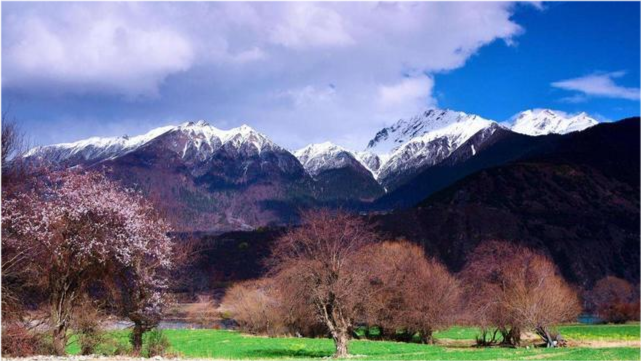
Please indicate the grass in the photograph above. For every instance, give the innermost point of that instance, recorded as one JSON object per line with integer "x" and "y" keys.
{"x": 626, "y": 332}
{"x": 578, "y": 332}
{"x": 222, "y": 344}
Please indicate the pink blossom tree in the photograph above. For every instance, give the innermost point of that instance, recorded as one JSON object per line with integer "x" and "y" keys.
{"x": 141, "y": 287}
{"x": 80, "y": 228}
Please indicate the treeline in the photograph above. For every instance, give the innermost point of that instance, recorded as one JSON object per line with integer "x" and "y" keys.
{"x": 333, "y": 274}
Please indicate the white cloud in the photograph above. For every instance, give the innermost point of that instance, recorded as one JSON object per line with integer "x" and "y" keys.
{"x": 93, "y": 49}
{"x": 599, "y": 85}
{"x": 409, "y": 95}
{"x": 310, "y": 96}
{"x": 305, "y": 24}
{"x": 225, "y": 60}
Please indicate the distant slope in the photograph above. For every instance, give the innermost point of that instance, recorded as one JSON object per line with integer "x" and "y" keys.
{"x": 200, "y": 177}
{"x": 482, "y": 151}
{"x": 209, "y": 179}
{"x": 576, "y": 197}
{"x": 338, "y": 174}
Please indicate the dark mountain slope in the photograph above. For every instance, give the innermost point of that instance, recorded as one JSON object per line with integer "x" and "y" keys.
{"x": 346, "y": 184}
{"x": 496, "y": 148}
{"x": 234, "y": 187}
{"x": 576, "y": 198}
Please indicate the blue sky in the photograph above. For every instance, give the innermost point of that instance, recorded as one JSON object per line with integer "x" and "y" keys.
{"x": 563, "y": 41}
{"x": 309, "y": 72}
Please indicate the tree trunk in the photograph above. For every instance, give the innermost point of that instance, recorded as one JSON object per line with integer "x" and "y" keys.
{"x": 426, "y": 337}
{"x": 515, "y": 334}
{"x": 59, "y": 341}
{"x": 511, "y": 337}
{"x": 545, "y": 335}
{"x": 136, "y": 338}
{"x": 341, "y": 340}
{"x": 61, "y": 306}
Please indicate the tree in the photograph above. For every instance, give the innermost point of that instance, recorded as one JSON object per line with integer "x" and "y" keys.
{"x": 614, "y": 300}
{"x": 143, "y": 282}
{"x": 515, "y": 289}
{"x": 13, "y": 270}
{"x": 411, "y": 292}
{"x": 316, "y": 265}
{"x": 257, "y": 307}
{"x": 77, "y": 227}
{"x": 14, "y": 145}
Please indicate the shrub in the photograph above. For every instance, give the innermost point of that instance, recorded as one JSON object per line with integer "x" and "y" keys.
{"x": 157, "y": 344}
{"x": 410, "y": 292}
{"x": 86, "y": 325}
{"x": 18, "y": 341}
{"x": 256, "y": 307}
{"x": 615, "y": 300}
{"x": 515, "y": 289}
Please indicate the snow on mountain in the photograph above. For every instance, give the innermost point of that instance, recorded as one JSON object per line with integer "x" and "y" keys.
{"x": 371, "y": 161}
{"x": 431, "y": 147}
{"x": 320, "y": 157}
{"x": 546, "y": 121}
{"x": 202, "y": 139}
{"x": 391, "y": 138}
{"x": 404, "y": 147}
{"x": 95, "y": 147}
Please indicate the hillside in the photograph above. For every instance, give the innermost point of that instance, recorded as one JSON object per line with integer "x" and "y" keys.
{"x": 201, "y": 177}
{"x": 208, "y": 179}
{"x": 576, "y": 198}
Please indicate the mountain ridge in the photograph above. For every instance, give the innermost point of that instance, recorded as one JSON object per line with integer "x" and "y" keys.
{"x": 214, "y": 179}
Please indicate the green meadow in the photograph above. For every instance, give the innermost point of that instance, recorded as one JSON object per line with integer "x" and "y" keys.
{"x": 222, "y": 344}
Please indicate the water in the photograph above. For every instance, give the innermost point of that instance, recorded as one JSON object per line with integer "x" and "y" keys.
{"x": 172, "y": 325}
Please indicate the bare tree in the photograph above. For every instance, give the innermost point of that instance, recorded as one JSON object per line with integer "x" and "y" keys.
{"x": 514, "y": 289}
{"x": 74, "y": 225}
{"x": 14, "y": 145}
{"x": 614, "y": 300}
{"x": 13, "y": 274}
{"x": 13, "y": 270}
{"x": 315, "y": 264}
{"x": 257, "y": 307}
{"x": 411, "y": 292}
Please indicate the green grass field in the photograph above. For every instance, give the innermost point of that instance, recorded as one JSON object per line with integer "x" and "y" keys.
{"x": 221, "y": 344}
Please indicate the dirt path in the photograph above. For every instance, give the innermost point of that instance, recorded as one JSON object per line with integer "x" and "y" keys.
{"x": 602, "y": 344}
{"x": 531, "y": 342}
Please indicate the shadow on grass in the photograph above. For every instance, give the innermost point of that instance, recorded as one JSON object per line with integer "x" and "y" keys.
{"x": 282, "y": 353}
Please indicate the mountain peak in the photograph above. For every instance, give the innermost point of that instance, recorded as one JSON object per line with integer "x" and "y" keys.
{"x": 389, "y": 139}
{"x": 202, "y": 138}
{"x": 318, "y": 157}
{"x": 199, "y": 123}
{"x": 243, "y": 129}
{"x": 546, "y": 121}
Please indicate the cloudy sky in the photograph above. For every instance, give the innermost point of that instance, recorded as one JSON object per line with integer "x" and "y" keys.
{"x": 309, "y": 72}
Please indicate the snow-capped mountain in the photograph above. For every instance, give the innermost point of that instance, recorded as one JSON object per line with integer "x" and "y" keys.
{"x": 421, "y": 141}
{"x": 320, "y": 157}
{"x": 389, "y": 139}
{"x": 198, "y": 141}
{"x": 212, "y": 179}
{"x": 428, "y": 138}
{"x": 338, "y": 172}
{"x": 202, "y": 177}
{"x": 371, "y": 161}
{"x": 546, "y": 121}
